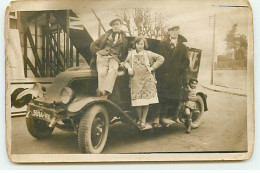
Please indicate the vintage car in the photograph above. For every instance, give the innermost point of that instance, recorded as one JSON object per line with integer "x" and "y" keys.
{"x": 70, "y": 103}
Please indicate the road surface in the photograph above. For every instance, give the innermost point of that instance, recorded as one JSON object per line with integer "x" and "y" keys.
{"x": 223, "y": 129}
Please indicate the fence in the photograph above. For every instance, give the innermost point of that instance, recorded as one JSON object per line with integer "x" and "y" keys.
{"x": 231, "y": 65}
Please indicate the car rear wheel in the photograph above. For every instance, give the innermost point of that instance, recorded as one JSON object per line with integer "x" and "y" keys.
{"x": 197, "y": 118}
{"x": 93, "y": 130}
{"x": 38, "y": 128}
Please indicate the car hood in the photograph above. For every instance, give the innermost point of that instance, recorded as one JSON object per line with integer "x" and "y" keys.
{"x": 63, "y": 80}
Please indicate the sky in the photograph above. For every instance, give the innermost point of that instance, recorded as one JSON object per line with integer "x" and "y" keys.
{"x": 195, "y": 20}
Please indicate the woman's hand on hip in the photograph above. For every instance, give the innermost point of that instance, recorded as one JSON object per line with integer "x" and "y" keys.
{"x": 130, "y": 71}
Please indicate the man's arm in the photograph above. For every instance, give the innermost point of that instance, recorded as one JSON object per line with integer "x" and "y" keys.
{"x": 124, "y": 51}
{"x": 95, "y": 45}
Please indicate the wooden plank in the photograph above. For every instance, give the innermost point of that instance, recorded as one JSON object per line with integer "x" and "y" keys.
{"x": 55, "y": 55}
{"x": 47, "y": 44}
{"x": 43, "y": 52}
{"x": 53, "y": 68}
{"x": 77, "y": 58}
{"x": 99, "y": 21}
{"x": 37, "y": 14}
{"x": 25, "y": 53}
{"x": 51, "y": 61}
{"x": 58, "y": 45}
{"x": 67, "y": 38}
{"x": 33, "y": 69}
{"x": 64, "y": 48}
{"x": 61, "y": 53}
{"x": 53, "y": 50}
{"x": 35, "y": 53}
{"x": 36, "y": 37}
{"x": 99, "y": 28}
{"x": 71, "y": 54}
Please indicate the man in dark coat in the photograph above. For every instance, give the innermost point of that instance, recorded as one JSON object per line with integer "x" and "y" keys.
{"x": 110, "y": 49}
{"x": 172, "y": 77}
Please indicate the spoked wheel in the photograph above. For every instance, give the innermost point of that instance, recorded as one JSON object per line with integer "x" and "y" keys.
{"x": 97, "y": 129}
{"x": 38, "y": 128}
{"x": 196, "y": 118}
{"x": 93, "y": 130}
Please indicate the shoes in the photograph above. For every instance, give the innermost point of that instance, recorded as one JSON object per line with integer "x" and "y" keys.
{"x": 103, "y": 94}
{"x": 100, "y": 93}
{"x": 188, "y": 130}
{"x": 156, "y": 125}
{"x": 167, "y": 122}
{"x": 178, "y": 121}
{"x": 142, "y": 125}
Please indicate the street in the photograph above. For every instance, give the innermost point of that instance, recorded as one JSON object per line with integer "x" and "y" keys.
{"x": 223, "y": 128}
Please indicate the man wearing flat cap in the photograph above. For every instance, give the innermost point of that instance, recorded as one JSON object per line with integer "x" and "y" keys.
{"x": 172, "y": 76}
{"x": 110, "y": 50}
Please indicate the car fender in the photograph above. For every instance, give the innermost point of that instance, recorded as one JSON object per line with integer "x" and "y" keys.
{"x": 80, "y": 105}
{"x": 204, "y": 98}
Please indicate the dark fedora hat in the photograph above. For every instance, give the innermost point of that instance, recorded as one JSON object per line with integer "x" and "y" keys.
{"x": 114, "y": 20}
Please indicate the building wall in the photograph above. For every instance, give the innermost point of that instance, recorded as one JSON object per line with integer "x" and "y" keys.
{"x": 230, "y": 78}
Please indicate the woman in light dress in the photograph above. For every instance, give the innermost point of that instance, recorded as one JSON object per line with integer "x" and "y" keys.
{"x": 141, "y": 65}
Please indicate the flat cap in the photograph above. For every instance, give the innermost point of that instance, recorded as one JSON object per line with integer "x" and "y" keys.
{"x": 114, "y": 20}
{"x": 173, "y": 27}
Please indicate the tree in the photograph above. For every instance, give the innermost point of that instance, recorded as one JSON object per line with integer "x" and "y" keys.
{"x": 124, "y": 15}
{"x": 231, "y": 38}
{"x": 236, "y": 41}
{"x": 140, "y": 21}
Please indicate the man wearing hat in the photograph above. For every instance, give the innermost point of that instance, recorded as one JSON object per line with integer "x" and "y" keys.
{"x": 173, "y": 74}
{"x": 110, "y": 50}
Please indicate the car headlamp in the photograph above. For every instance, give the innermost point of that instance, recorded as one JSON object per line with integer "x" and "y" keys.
{"x": 37, "y": 90}
{"x": 66, "y": 95}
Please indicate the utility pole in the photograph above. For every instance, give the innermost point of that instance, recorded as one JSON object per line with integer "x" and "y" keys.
{"x": 213, "y": 49}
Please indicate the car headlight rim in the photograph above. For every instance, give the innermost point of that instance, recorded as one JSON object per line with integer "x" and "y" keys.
{"x": 67, "y": 95}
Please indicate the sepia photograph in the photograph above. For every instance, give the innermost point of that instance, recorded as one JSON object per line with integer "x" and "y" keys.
{"x": 102, "y": 81}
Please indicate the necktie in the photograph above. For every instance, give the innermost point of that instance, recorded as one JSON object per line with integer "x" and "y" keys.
{"x": 173, "y": 43}
{"x": 116, "y": 37}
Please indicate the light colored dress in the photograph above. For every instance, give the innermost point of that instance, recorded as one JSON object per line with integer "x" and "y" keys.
{"x": 143, "y": 82}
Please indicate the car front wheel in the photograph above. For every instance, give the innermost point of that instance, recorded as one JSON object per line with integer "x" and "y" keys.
{"x": 93, "y": 130}
{"x": 38, "y": 128}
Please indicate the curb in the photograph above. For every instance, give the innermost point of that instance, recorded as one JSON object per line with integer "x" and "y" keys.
{"x": 222, "y": 91}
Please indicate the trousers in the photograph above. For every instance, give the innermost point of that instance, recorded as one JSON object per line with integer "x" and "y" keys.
{"x": 107, "y": 68}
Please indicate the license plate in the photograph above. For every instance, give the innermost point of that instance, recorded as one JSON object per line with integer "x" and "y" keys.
{"x": 41, "y": 115}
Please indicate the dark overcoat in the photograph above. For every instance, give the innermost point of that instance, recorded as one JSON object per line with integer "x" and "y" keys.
{"x": 172, "y": 75}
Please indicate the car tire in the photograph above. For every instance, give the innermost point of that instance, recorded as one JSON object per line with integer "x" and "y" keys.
{"x": 196, "y": 121}
{"x": 93, "y": 130}
{"x": 38, "y": 128}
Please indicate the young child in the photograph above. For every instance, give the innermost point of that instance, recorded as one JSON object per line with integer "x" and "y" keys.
{"x": 141, "y": 65}
{"x": 190, "y": 105}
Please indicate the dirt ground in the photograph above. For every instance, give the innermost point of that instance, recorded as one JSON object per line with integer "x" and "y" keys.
{"x": 223, "y": 129}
